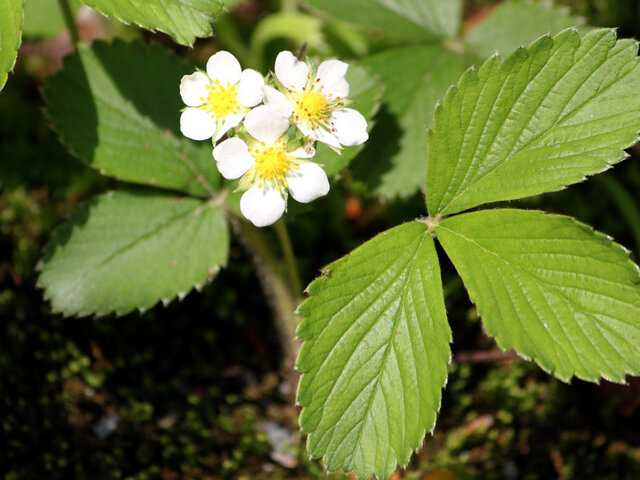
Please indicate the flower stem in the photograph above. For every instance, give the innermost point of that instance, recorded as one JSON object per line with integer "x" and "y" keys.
{"x": 70, "y": 21}
{"x": 282, "y": 301}
{"x": 289, "y": 257}
{"x": 625, "y": 204}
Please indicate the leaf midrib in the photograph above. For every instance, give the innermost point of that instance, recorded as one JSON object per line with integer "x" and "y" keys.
{"x": 137, "y": 241}
{"x": 552, "y": 288}
{"x": 561, "y": 119}
{"x": 531, "y": 275}
{"x": 390, "y": 342}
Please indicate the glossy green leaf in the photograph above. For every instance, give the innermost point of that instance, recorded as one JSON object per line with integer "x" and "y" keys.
{"x": 11, "y": 17}
{"x": 117, "y": 107}
{"x": 551, "y": 288}
{"x": 415, "y": 78}
{"x": 125, "y": 250}
{"x": 418, "y": 19}
{"x": 515, "y": 23}
{"x": 544, "y": 118}
{"x": 375, "y": 353}
{"x": 365, "y": 92}
{"x": 183, "y": 20}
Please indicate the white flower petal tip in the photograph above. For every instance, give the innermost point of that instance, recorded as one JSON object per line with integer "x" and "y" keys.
{"x": 274, "y": 98}
{"x": 308, "y": 182}
{"x": 304, "y": 152}
{"x": 230, "y": 121}
{"x": 197, "y": 124}
{"x": 262, "y": 206}
{"x": 266, "y": 124}
{"x": 193, "y": 89}
{"x": 224, "y": 68}
{"x": 250, "y": 89}
{"x": 350, "y": 127}
{"x": 291, "y": 72}
{"x": 323, "y": 136}
{"x": 233, "y": 158}
{"x": 330, "y": 77}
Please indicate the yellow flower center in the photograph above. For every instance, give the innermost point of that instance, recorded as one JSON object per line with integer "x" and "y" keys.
{"x": 221, "y": 101}
{"x": 272, "y": 163}
{"x": 311, "y": 107}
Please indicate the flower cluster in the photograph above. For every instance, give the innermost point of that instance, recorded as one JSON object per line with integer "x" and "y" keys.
{"x": 271, "y": 159}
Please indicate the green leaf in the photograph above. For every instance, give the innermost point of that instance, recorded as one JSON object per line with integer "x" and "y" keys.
{"x": 300, "y": 28}
{"x": 11, "y": 17}
{"x": 545, "y": 118}
{"x": 551, "y": 288}
{"x": 417, "y": 19}
{"x": 516, "y": 23}
{"x": 127, "y": 250}
{"x": 365, "y": 91}
{"x": 183, "y": 20}
{"x": 375, "y": 353}
{"x": 393, "y": 161}
{"x": 43, "y": 18}
{"x": 117, "y": 107}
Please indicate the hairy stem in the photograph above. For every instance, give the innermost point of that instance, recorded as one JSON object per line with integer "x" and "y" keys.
{"x": 289, "y": 257}
{"x": 70, "y": 21}
{"x": 277, "y": 291}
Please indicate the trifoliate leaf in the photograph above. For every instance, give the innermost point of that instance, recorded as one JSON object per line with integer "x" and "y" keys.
{"x": 125, "y": 250}
{"x": 11, "y": 17}
{"x": 515, "y": 23}
{"x": 544, "y": 118}
{"x": 375, "y": 353}
{"x": 551, "y": 288}
{"x": 183, "y": 20}
{"x": 365, "y": 92}
{"x": 117, "y": 107}
{"x": 418, "y": 19}
{"x": 393, "y": 161}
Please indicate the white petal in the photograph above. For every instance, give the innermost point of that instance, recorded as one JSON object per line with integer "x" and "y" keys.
{"x": 304, "y": 152}
{"x": 250, "y": 89}
{"x": 197, "y": 124}
{"x": 193, "y": 89}
{"x": 225, "y": 68}
{"x": 291, "y": 72}
{"x": 338, "y": 89}
{"x": 350, "y": 126}
{"x": 233, "y": 158}
{"x": 277, "y": 100}
{"x": 262, "y": 206}
{"x": 330, "y": 73}
{"x": 308, "y": 182}
{"x": 230, "y": 121}
{"x": 266, "y": 124}
{"x": 321, "y": 135}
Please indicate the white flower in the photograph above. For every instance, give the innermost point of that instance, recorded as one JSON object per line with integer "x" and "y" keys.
{"x": 218, "y": 100}
{"x": 268, "y": 169}
{"x": 317, "y": 102}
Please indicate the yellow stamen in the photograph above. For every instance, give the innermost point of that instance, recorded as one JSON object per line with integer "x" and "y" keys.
{"x": 272, "y": 163}
{"x": 311, "y": 107}
{"x": 221, "y": 101}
